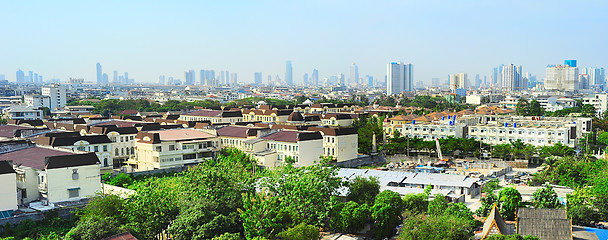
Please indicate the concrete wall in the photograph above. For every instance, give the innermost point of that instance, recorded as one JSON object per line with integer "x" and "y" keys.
{"x": 309, "y": 152}
{"x": 60, "y": 180}
{"x": 8, "y": 192}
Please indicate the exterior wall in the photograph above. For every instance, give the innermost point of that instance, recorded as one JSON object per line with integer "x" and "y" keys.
{"x": 342, "y": 148}
{"x": 37, "y": 100}
{"x": 265, "y": 118}
{"x": 424, "y": 131}
{"x": 309, "y": 152}
{"x": 8, "y": 192}
{"x": 59, "y": 181}
{"x": 534, "y": 136}
{"x": 341, "y": 122}
{"x": 232, "y": 142}
{"x": 57, "y": 95}
{"x": 212, "y": 119}
{"x": 123, "y": 146}
{"x": 103, "y": 151}
{"x": 27, "y": 182}
{"x": 26, "y": 115}
{"x": 149, "y": 157}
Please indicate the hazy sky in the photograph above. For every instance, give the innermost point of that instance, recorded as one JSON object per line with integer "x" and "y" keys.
{"x": 61, "y": 39}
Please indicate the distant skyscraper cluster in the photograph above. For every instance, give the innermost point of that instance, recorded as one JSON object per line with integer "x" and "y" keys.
{"x": 288, "y": 73}
{"x": 31, "y": 77}
{"x": 399, "y": 77}
{"x": 103, "y": 78}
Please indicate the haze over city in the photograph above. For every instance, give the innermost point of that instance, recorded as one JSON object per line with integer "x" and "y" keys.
{"x": 149, "y": 38}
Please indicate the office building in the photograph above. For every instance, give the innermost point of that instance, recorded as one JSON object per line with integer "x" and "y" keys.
{"x": 99, "y": 74}
{"x": 400, "y": 77}
{"x": 115, "y": 77}
{"x": 305, "y": 79}
{"x": 257, "y": 78}
{"x": 512, "y": 78}
{"x": 288, "y": 73}
{"x": 562, "y": 78}
{"x": 233, "y": 79}
{"x": 20, "y": 76}
{"x": 189, "y": 76}
{"x": 596, "y": 77}
{"x": 341, "y": 80}
{"x": 315, "y": 77}
{"x": 161, "y": 80}
{"x": 458, "y": 81}
{"x": 497, "y": 76}
{"x": 57, "y": 94}
{"x": 370, "y": 81}
{"x": 354, "y": 75}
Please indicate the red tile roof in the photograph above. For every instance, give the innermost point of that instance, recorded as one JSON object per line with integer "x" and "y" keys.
{"x": 8, "y": 131}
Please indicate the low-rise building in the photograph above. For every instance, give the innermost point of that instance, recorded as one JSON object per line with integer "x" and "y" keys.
{"x": 23, "y": 112}
{"x": 98, "y": 144}
{"x": 339, "y": 143}
{"x": 8, "y": 188}
{"x": 54, "y": 175}
{"x": 214, "y": 116}
{"x": 337, "y": 119}
{"x": 266, "y": 115}
{"x": 172, "y": 148}
{"x": 304, "y": 147}
{"x": 123, "y": 141}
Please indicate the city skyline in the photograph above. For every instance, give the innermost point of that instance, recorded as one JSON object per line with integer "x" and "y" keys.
{"x": 313, "y": 35}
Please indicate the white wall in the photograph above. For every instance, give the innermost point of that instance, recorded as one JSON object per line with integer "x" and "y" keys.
{"x": 8, "y": 192}
{"x": 310, "y": 152}
{"x": 60, "y": 180}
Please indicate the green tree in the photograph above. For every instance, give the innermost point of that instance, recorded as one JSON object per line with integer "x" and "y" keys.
{"x": 204, "y": 220}
{"x": 523, "y": 107}
{"x": 438, "y": 205}
{"x": 363, "y": 190}
{"x": 487, "y": 203}
{"x": 263, "y": 216}
{"x": 386, "y": 213}
{"x": 491, "y": 186}
{"x": 509, "y": 199}
{"x": 300, "y": 232}
{"x": 420, "y": 226}
{"x": 545, "y": 197}
{"x": 415, "y": 203}
{"x": 535, "y": 109}
{"x": 92, "y": 228}
{"x": 350, "y": 216}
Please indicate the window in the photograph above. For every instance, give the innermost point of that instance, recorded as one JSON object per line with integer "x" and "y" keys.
{"x": 171, "y": 147}
{"x": 96, "y": 149}
{"x": 116, "y": 150}
{"x": 80, "y": 148}
{"x": 122, "y": 139}
{"x": 74, "y": 193}
{"x": 74, "y": 174}
{"x": 105, "y": 148}
{"x": 159, "y": 149}
{"x": 132, "y": 150}
{"x": 122, "y": 151}
{"x": 132, "y": 137}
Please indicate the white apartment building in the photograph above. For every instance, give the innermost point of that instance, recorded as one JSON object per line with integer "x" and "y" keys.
{"x": 599, "y": 101}
{"x": 535, "y": 135}
{"x": 458, "y": 81}
{"x": 341, "y": 144}
{"x": 57, "y": 94}
{"x": 427, "y": 131}
{"x": 304, "y": 147}
{"x": 512, "y": 79}
{"x": 54, "y": 175}
{"x": 23, "y": 113}
{"x": 122, "y": 138}
{"x": 37, "y": 101}
{"x": 172, "y": 148}
{"x": 562, "y": 78}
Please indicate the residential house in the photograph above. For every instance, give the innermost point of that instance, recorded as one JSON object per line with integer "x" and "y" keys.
{"x": 8, "y": 188}
{"x": 101, "y": 145}
{"x": 339, "y": 143}
{"x": 214, "y": 116}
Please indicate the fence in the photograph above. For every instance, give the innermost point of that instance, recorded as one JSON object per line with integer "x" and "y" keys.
{"x": 65, "y": 213}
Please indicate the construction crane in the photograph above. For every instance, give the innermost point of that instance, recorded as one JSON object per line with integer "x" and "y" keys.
{"x": 438, "y": 149}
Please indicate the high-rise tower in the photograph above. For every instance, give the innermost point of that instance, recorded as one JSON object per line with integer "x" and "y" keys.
{"x": 99, "y": 74}
{"x": 288, "y": 73}
{"x": 399, "y": 77}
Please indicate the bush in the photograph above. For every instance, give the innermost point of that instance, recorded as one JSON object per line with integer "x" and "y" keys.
{"x": 92, "y": 228}
{"x": 300, "y": 232}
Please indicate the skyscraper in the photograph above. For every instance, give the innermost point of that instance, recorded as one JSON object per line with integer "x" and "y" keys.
{"x": 354, "y": 74}
{"x": 341, "y": 80}
{"x": 563, "y": 78}
{"x": 315, "y": 77}
{"x": 497, "y": 76}
{"x": 288, "y": 73}
{"x": 30, "y": 76}
{"x": 597, "y": 77}
{"x": 233, "y": 79}
{"x": 99, "y": 74}
{"x": 399, "y": 77}
{"x": 512, "y": 79}
{"x": 370, "y": 81}
{"x": 257, "y": 78}
{"x": 20, "y": 76}
{"x": 189, "y": 76}
{"x": 115, "y": 77}
{"x": 458, "y": 81}
{"x": 104, "y": 78}
{"x": 161, "y": 80}
{"x": 305, "y": 79}
{"x": 477, "y": 81}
